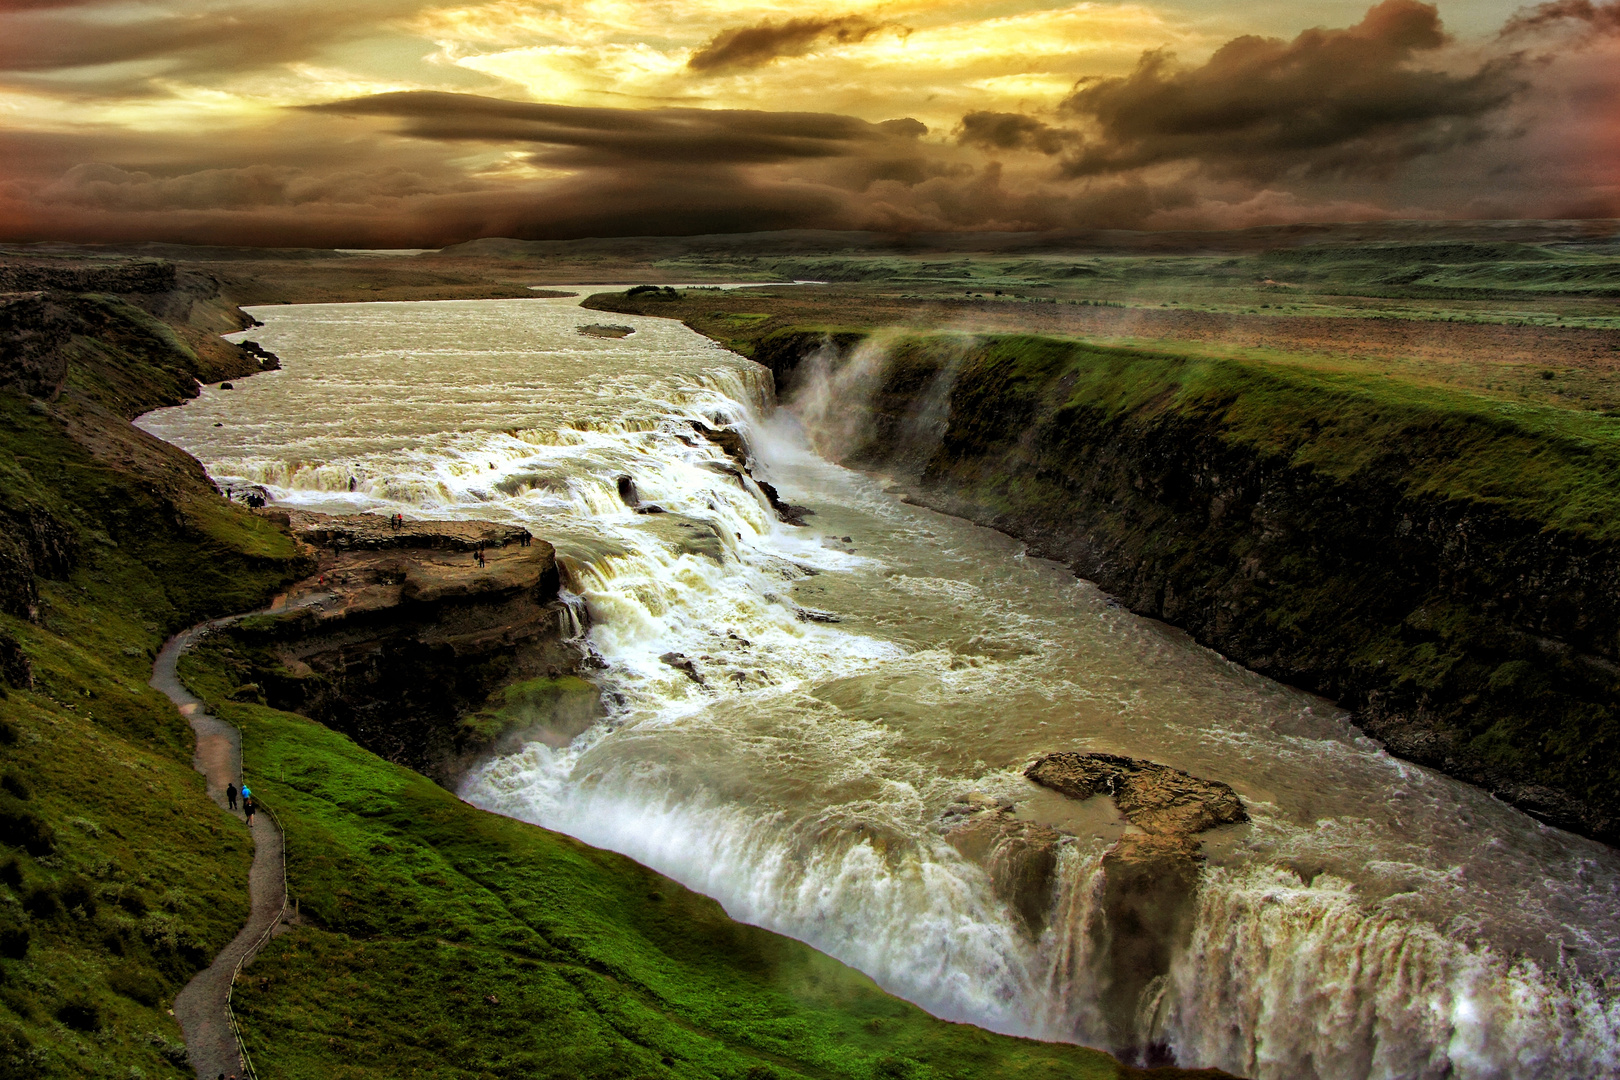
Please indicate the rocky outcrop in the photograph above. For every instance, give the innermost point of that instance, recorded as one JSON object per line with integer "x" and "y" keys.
{"x": 1149, "y": 875}
{"x": 431, "y": 645}
{"x": 34, "y": 328}
{"x": 34, "y": 544}
{"x": 16, "y": 669}
{"x": 1155, "y": 798}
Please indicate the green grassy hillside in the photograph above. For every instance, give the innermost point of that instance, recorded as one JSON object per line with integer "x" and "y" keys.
{"x": 1552, "y": 466}
{"x": 119, "y": 878}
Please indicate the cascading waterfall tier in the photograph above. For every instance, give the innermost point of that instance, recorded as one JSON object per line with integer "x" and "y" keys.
{"x": 798, "y": 716}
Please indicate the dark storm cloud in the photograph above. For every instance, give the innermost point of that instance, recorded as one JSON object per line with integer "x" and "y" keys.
{"x": 756, "y": 46}
{"x": 1356, "y": 100}
{"x": 598, "y": 137}
{"x": 341, "y": 175}
{"x": 1604, "y": 18}
{"x": 1011, "y": 131}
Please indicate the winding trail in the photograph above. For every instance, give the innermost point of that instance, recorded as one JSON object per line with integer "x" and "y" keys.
{"x": 203, "y": 1007}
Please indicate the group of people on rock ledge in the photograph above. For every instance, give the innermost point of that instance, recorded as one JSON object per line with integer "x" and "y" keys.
{"x": 478, "y": 549}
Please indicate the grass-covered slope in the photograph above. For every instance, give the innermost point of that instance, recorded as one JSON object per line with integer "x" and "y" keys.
{"x": 118, "y": 877}
{"x": 1445, "y": 563}
{"x": 443, "y": 941}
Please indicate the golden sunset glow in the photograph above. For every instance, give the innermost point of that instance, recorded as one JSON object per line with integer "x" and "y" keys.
{"x": 133, "y": 118}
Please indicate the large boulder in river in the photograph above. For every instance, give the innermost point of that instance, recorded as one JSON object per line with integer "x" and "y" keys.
{"x": 1153, "y": 797}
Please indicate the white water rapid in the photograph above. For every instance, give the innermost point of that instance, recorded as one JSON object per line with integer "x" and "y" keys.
{"x": 1373, "y": 920}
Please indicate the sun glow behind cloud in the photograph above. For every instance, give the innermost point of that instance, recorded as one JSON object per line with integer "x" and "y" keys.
{"x": 927, "y": 61}
{"x": 216, "y": 90}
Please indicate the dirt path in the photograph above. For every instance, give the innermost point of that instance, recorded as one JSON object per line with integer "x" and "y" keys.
{"x": 201, "y": 1008}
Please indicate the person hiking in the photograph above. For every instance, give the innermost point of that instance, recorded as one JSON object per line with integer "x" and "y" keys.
{"x": 230, "y": 795}
{"x": 249, "y": 805}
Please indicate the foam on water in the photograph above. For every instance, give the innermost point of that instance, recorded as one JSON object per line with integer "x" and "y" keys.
{"x": 1374, "y": 920}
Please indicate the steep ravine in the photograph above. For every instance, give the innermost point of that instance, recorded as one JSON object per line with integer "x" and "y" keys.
{"x": 1439, "y": 564}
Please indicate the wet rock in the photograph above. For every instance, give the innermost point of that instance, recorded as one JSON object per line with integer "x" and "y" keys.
{"x": 724, "y": 469}
{"x": 729, "y": 440}
{"x": 1019, "y": 856}
{"x": 1153, "y": 797}
{"x": 605, "y": 330}
{"x": 404, "y": 642}
{"x": 785, "y": 511}
{"x": 268, "y": 361}
{"x": 1150, "y": 889}
{"x": 226, "y": 386}
{"x": 627, "y": 491}
{"x": 689, "y": 536}
{"x": 685, "y": 665}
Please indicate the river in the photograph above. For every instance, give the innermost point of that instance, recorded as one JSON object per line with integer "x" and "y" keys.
{"x": 1372, "y": 919}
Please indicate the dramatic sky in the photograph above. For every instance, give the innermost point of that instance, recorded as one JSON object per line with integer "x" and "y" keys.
{"x": 372, "y": 123}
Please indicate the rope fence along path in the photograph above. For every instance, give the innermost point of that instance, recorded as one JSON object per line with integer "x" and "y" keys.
{"x": 203, "y": 1008}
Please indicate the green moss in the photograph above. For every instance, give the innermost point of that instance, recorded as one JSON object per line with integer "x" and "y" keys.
{"x": 564, "y": 704}
{"x": 1542, "y": 463}
{"x": 149, "y": 878}
{"x": 143, "y": 880}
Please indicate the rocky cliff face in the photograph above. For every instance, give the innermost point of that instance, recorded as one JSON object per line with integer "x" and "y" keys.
{"x": 1466, "y": 635}
{"x": 418, "y": 649}
{"x": 90, "y": 360}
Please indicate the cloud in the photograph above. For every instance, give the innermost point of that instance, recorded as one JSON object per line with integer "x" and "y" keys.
{"x": 1387, "y": 117}
{"x": 755, "y": 46}
{"x": 583, "y": 137}
{"x": 1330, "y": 102}
{"x": 35, "y": 36}
{"x": 1604, "y": 18}
{"x": 1011, "y": 131}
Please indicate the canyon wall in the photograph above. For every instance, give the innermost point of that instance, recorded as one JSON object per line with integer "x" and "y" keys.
{"x": 1443, "y": 566}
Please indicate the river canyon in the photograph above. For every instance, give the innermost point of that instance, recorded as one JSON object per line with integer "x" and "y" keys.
{"x": 826, "y": 725}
